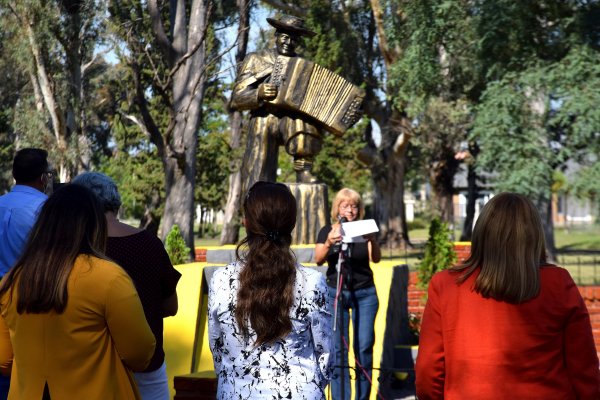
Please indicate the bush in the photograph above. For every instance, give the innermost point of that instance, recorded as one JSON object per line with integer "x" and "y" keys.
{"x": 176, "y": 248}
{"x": 438, "y": 254}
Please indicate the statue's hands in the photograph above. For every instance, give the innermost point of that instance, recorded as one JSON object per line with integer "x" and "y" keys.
{"x": 267, "y": 91}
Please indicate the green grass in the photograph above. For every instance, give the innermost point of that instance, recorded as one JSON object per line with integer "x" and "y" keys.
{"x": 578, "y": 238}
{"x": 575, "y": 238}
{"x": 584, "y": 268}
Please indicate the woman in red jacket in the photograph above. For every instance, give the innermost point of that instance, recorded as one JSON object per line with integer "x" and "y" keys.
{"x": 505, "y": 324}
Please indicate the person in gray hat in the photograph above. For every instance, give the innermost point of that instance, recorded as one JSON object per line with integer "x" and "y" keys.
{"x": 269, "y": 126}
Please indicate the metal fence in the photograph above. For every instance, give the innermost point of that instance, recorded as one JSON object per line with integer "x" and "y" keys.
{"x": 583, "y": 267}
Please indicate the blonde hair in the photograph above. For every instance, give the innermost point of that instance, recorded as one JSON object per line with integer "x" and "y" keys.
{"x": 508, "y": 245}
{"x": 347, "y": 195}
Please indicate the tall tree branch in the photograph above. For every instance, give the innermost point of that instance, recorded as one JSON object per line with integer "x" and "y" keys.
{"x": 151, "y": 129}
{"x": 194, "y": 49}
{"x": 159, "y": 31}
{"x": 389, "y": 55}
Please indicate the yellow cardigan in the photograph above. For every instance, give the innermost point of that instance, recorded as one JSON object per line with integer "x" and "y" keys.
{"x": 86, "y": 352}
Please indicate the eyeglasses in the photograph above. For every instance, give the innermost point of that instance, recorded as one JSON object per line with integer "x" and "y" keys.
{"x": 346, "y": 207}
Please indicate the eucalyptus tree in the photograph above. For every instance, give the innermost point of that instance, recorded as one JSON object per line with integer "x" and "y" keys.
{"x": 55, "y": 43}
{"x": 10, "y": 87}
{"x": 231, "y": 220}
{"x": 163, "y": 43}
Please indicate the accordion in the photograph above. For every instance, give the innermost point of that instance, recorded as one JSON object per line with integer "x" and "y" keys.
{"x": 314, "y": 91}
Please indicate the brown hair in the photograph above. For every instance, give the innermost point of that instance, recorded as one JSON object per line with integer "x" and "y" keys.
{"x": 347, "y": 195}
{"x": 508, "y": 246}
{"x": 267, "y": 279}
{"x": 71, "y": 222}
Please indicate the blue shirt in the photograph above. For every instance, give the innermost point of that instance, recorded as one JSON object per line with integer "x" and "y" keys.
{"x": 18, "y": 212}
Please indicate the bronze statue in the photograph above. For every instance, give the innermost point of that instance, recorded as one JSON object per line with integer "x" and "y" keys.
{"x": 291, "y": 101}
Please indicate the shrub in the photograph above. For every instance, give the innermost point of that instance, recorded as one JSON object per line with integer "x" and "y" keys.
{"x": 438, "y": 254}
{"x": 176, "y": 248}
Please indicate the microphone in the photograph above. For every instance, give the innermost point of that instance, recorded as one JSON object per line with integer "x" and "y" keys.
{"x": 337, "y": 245}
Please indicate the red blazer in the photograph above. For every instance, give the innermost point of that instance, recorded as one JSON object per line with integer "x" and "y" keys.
{"x": 484, "y": 349}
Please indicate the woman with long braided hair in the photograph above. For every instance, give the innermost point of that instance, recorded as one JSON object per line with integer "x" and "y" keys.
{"x": 269, "y": 319}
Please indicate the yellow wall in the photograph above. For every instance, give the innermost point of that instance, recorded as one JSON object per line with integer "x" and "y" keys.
{"x": 180, "y": 329}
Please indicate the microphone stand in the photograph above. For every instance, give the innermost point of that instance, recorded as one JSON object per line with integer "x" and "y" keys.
{"x": 340, "y": 298}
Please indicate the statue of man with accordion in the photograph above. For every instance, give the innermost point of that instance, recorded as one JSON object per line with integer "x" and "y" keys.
{"x": 291, "y": 101}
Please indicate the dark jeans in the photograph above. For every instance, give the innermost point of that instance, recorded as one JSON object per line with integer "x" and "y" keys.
{"x": 364, "y": 305}
{"x": 4, "y": 386}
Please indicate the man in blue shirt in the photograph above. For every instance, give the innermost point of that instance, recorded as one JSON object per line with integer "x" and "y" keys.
{"x": 19, "y": 210}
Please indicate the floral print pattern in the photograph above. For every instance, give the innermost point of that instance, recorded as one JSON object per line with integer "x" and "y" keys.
{"x": 295, "y": 367}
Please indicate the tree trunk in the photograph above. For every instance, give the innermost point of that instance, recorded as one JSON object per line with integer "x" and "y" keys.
{"x": 46, "y": 86}
{"x": 472, "y": 196}
{"x": 441, "y": 178}
{"x": 150, "y": 220}
{"x": 186, "y": 54}
{"x": 388, "y": 207}
{"x": 179, "y": 183}
{"x": 231, "y": 222}
{"x": 544, "y": 205}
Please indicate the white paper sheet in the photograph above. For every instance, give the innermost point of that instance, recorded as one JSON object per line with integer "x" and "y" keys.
{"x": 354, "y": 231}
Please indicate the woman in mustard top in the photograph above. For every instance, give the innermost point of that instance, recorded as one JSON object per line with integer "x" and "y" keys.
{"x": 72, "y": 325}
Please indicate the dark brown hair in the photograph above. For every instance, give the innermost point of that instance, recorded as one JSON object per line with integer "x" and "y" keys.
{"x": 71, "y": 222}
{"x": 266, "y": 287}
{"x": 508, "y": 245}
{"x": 29, "y": 164}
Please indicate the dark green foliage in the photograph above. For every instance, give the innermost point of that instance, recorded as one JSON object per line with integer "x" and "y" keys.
{"x": 439, "y": 252}
{"x": 214, "y": 152}
{"x": 10, "y": 86}
{"x": 175, "y": 245}
{"x": 213, "y": 169}
{"x": 343, "y": 50}
{"x": 531, "y": 123}
{"x": 337, "y": 165}
{"x": 140, "y": 180}
{"x": 56, "y": 57}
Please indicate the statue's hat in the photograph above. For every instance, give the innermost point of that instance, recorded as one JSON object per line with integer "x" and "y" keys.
{"x": 290, "y": 24}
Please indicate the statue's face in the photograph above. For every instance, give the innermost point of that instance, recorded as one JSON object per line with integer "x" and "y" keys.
{"x": 286, "y": 44}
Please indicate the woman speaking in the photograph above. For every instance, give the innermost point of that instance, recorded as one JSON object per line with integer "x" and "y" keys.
{"x": 358, "y": 292}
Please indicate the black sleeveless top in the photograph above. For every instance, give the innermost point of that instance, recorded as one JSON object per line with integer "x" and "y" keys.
{"x": 356, "y": 271}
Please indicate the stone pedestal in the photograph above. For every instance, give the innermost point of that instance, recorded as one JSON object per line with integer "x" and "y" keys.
{"x": 313, "y": 211}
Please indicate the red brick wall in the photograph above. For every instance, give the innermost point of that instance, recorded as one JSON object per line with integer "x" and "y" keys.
{"x": 591, "y": 296}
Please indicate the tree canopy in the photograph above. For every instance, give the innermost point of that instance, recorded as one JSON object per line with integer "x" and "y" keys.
{"x": 142, "y": 96}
